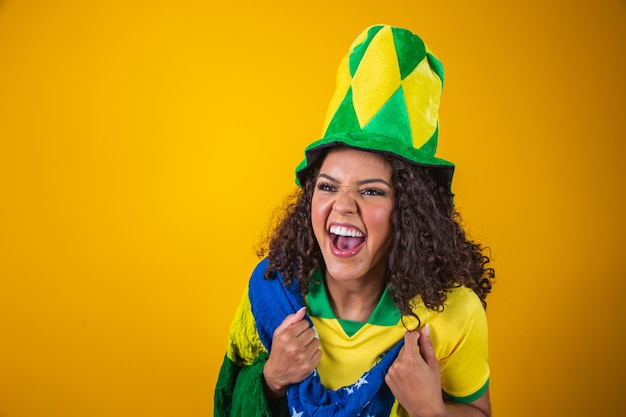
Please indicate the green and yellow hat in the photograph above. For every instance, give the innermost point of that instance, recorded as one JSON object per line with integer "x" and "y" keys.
{"x": 386, "y": 100}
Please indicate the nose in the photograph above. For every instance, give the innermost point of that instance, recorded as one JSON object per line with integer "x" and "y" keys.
{"x": 345, "y": 202}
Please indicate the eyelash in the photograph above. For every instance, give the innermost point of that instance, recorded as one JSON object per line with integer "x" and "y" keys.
{"x": 373, "y": 191}
{"x": 324, "y": 186}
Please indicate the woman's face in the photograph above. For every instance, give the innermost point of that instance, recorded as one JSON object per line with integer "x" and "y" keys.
{"x": 351, "y": 214}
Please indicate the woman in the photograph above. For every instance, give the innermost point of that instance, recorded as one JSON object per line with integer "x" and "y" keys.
{"x": 371, "y": 298}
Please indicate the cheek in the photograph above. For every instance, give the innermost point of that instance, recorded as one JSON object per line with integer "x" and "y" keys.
{"x": 379, "y": 221}
{"x": 319, "y": 216}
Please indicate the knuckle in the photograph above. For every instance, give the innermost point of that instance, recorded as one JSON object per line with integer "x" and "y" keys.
{"x": 315, "y": 343}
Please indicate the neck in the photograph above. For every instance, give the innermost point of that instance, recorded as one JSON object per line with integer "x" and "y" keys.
{"x": 354, "y": 300}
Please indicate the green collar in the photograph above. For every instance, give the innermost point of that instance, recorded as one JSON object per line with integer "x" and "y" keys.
{"x": 385, "y": 314}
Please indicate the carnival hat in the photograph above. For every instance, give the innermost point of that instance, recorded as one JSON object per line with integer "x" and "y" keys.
{"x": 386, "y": 100}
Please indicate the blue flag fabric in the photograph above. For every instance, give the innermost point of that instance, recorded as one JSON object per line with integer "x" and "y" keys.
{"x": 271, "y": 302}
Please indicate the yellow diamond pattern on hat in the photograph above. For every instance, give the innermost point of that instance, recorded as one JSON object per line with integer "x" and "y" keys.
{"x": 377, "y": 78}
{"x": 343, "y": 85}
{"x": 386, "y": 100}
{"x": 424, "y": 88}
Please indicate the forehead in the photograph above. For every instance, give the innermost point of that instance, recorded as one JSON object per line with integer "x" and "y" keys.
{"x": 349, "y": 160}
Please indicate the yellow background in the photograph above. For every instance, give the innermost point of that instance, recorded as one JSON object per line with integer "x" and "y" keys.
{"x": 144, "y": 145}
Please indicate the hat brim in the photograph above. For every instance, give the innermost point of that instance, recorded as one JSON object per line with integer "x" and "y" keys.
{"x": 375, "y": 143}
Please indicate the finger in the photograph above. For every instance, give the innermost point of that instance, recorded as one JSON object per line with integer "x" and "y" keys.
{"x": 312, "y": 342}
{"x": 315, "y": 358}
{"x": 289, "y": 321}
{"x": 301, "y": 330}
{"x": 311, "y": 350}
{"x": 308, "y": 335}
{"x": 410, "y": 342}
{"x": 300, "y": 333}
{"x": 428, "y": 352}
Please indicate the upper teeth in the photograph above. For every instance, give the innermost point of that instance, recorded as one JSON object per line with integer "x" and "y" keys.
{"x": 344, "y": 231}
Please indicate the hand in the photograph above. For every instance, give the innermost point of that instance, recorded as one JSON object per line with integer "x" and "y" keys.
{"x": 295, "y": 353}
{"x": 414, "y": 377}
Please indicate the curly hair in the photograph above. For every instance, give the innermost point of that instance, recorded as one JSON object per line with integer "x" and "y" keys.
{"x": 429, "y": 253}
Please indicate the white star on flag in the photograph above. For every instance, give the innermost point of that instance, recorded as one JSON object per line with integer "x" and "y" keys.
{"x": 361, "y": 381}
{"x": 294, "y": 413}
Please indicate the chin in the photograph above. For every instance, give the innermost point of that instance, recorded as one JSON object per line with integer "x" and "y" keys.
{"x": 343, "y": 275}
{"x": 341, "y": 270}
{"x": 349, "y": 270}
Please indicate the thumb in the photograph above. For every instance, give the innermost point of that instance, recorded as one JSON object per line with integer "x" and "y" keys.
{"x": 410, "y": 342}
{"x": 426, "y": 345}
{"x": 289, "y": 321}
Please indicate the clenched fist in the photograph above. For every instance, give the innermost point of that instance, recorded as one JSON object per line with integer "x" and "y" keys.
{"x": 295, "y": 353}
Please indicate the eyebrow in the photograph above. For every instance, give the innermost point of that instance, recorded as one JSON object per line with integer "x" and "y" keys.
{"x": 362, "y": 182}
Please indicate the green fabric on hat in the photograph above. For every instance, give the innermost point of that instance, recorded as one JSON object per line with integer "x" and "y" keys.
{"x": 345, "y": 119}
{"x": 436, "y": 65}
{"x": 431, "y": 146}
{"x": 392, "y": 119}
{"x": 410, "y": 49}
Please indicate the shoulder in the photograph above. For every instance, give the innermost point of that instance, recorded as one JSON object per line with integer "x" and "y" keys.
{"x": 462, "y": 310}
{"x": 462, "y": 314}
{"x": 462, "y": 300}
{"x": 462, "y": 319}
{"x": 259, "y": 270}
{"x": 258, "y": 283}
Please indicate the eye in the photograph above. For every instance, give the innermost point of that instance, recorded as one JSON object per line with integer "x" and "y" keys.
{"x": 324, "y": 186}
{"x": 373, "y": 192}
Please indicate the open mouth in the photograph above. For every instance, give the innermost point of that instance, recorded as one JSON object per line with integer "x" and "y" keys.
{"x": 346, "y": 241}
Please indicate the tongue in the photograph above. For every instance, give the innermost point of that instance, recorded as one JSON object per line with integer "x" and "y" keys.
{"x": 347, "y": 243}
